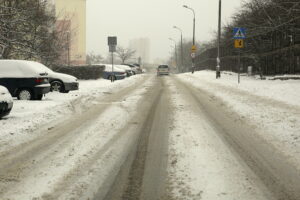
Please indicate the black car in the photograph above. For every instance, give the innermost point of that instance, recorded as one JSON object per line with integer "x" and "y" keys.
{"x": 23, "y": 80}
{"x": 6, "y": 102}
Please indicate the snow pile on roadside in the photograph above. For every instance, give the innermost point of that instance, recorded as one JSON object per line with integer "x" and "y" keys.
{"x": 272, "y": 107}
{"x": 27, "y": 116}
{"x": 201, "y": 165}
{"x": 4, "y": 95}
{"x": 85, "y": 161}
{"x": 287, "y": 91}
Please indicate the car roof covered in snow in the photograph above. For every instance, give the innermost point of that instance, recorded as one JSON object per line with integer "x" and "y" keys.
{"x": 126, "y": 67}
{"x": 108, "y": 68}
{"x": 22, "y": 69}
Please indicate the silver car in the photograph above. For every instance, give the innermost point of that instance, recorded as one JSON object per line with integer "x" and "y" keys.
{"x": 163, "y": 70}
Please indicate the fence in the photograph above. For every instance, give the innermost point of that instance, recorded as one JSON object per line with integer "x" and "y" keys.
{"x": 276, "y": 55}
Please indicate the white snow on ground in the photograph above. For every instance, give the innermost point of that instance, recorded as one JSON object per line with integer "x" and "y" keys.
{"x": 273, "y": 107}
{"x": 287, "y": 91}
{"x": 26, "y": 116}
{"x": 5, "y": 95}
{"x": 99, "y": 149}
{"x": 201, "y": 165}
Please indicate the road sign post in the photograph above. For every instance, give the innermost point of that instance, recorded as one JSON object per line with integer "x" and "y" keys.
{"x": 193, "y": 55}
{"x": 239, "y": 34}
{"x": 239, "y": 66}
{"x": 112, "y": 43}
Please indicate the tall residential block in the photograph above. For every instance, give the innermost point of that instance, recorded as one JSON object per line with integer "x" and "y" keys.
{"x": 73, "y": 14}
{"x": 142, "y": 48}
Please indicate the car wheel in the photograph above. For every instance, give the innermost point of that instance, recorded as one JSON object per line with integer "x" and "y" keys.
{"x": 66, "y": 91}
{"x": 25, "y": 94}
{"x": 57, "y": 86}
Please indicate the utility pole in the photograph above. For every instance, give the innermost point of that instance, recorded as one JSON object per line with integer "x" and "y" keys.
{"x": 175, "y": 50}
{"x": 291, "y": 54}
{"x": 68, "y": 47}
{"x": 218, "y": 68}
{"x": 180, "y": 47}
{"x": 194, "y": 29}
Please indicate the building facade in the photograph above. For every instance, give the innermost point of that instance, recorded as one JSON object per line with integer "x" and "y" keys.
{"x": 142, "y": 48}
{"x": 73, "y": 14}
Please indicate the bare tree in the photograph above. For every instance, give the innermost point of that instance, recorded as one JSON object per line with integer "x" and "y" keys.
{"x": 125, "y": 53}
{"x": 93, "y": 58}
{"x": 28, "y": 31}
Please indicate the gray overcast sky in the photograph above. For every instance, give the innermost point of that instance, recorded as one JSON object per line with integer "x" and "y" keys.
{"x": 129, "y": 19}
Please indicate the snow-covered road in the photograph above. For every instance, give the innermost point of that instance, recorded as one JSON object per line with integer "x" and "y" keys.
{"x": 176, "y": 137}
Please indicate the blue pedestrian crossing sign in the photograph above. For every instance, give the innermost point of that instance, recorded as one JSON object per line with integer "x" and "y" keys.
{"x": 239, "y": 33}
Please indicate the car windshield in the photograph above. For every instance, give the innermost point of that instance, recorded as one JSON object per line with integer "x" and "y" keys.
{"x": 150, "y": 100}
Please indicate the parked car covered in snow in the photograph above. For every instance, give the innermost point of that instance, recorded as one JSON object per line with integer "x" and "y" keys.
{"x": 60, "y": 82}
{"x": 138, "y": 67}
{"x": 23, "y": 80}
{"x": 134, "y": 68}
{"x": 129, "y": 71}
{"x": 6, "y": 102}
{"x": 116, "y": 74}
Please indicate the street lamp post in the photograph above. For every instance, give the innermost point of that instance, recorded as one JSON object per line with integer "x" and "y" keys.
{"x": 181, "y": 47}
{"x": 175, "y": 49}
{"x": 194, "y": 24}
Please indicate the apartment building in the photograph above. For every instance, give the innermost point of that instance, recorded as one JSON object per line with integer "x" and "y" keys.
{"x": 72, "y": 13}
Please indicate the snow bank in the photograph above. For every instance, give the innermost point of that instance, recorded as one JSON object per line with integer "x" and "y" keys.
{"x": 201, "y": 166}
{"x": 287, "y": 91}
{"x": 5, "y": 95}
{"x": 271, "y": 107}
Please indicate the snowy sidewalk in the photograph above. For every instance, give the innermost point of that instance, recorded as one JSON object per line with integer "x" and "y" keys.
{"x": 201, "y": 165}
{"x": 272, "y": 107}
{"x": 287, "y": 91}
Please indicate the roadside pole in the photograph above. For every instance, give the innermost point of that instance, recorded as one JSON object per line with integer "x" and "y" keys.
{"x": 218, "y": 68}
{"x": 193, "y": 56}
{"x": 239, "y": 66}
{"x": 112, "y": 66}
{"x": 112, "y": 43}
{"x": 239, "y": 36}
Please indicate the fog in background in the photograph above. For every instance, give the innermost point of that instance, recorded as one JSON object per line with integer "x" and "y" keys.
{"x": 154, "y": 19}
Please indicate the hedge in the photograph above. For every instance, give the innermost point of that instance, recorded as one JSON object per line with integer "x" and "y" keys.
{"x": 81, "y": 72}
